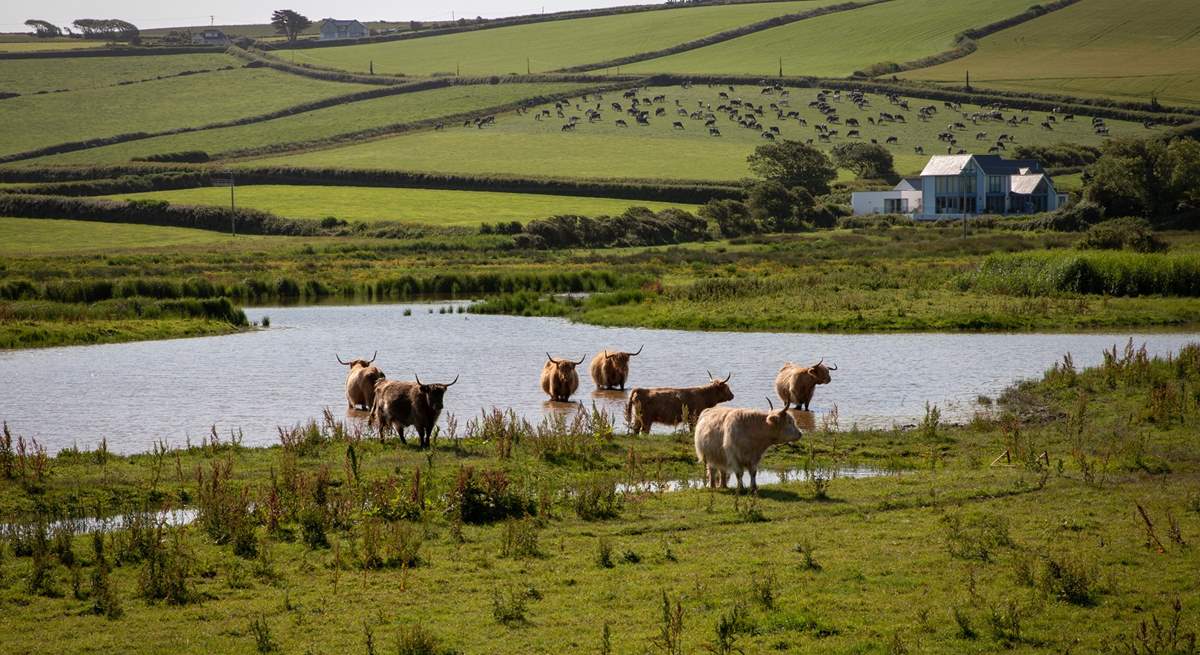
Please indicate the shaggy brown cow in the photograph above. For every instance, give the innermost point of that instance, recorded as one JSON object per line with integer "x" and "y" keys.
{"x": 399, "y": 404}
{"x": 611, "y": 369}
{"x": 559, "y": 379}
{"x": 360, "y": 381}
{"x": 670, "y": 405}
{"x": 795, "y": 384}
{"x": 733, "y": 440}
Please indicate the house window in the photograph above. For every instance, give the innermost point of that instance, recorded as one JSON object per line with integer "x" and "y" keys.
{"x": 895, "y": 205}
{"x": 955, "y": 205}
{"x": 963, "y": 184}
{"x": 995, "y": 204}
{"x": 996, "y": 184}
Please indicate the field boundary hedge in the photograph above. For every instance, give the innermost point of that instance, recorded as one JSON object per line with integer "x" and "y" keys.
{"x": 158, "y": 213}
{"x": 726, "y": 35}
{"x": 187, "y": 73}
{"x": 144, "y": 51}
{"x": 965, "y": 42}
{"x": 129, "y": 180}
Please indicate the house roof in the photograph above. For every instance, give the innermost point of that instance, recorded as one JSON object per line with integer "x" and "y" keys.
{"x": 990, "y": 164}
{"x": 913, "y": 182}
{"x": 341, "y": 23}
{"x": 1026, "y": 184}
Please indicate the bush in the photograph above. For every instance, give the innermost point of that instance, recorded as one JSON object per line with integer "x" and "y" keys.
{"x": 488, "y": 496}
{"x": 596, "y": 499}
{"x": 1098, "y": 272}
{"x": 638, "y": 226}
{"x": 1127, "y": 233}
{"x": 185, "y": 156}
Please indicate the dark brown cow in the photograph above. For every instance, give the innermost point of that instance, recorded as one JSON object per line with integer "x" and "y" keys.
{"x": 559, "y": 379}
{"x": 795, "y": 384}
{"x": 670, "y": 405}
{"x": 400, "y": 404}
{"x": 360, "y": 381}
{"x": 610, "y": 369}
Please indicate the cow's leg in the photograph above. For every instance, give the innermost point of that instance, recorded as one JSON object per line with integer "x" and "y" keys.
{"x": 400, "y": 433}
{"x": 740, "y": 488}
{"x": 724, "y": 479}
{"x": 753, "y": 480}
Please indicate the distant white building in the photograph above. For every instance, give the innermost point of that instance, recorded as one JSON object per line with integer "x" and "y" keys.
{"x": 333, "y": 29}
{"x": 209, "y": 36}
{"x": 952, "y": 186}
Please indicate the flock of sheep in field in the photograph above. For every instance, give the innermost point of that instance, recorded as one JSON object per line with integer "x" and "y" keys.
{"x": 768, "y": 112}
{"x": 728, "y": 440}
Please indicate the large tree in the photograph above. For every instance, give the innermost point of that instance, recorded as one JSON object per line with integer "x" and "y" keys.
{"x": 867, "y": 160}
{"x": 793, "y": 164}
{"x": 1150, "y": 178}
{"x": 289, "y": 23}
{"x": 112, "y": 29}
{"x": 44, "y": 29}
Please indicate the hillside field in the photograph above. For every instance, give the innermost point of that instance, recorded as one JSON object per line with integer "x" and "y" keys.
{"x": 550, "y": 45}
{"x": 425, "y": 206}
{"x": 41, "y": 236}
{"x": 38, "y": 121}
{"x": 33, "y": 75}
{"x": 838, "y": 44}
{"x": 1125, "y": 50}
{"x": 321, "y": 123}
{"x": 522, "y": 145}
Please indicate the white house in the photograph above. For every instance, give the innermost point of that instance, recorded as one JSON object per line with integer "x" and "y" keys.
{"x": 952, "y": 186}
{"x": 333, "y": 29}
{"x": 209, "y": 36}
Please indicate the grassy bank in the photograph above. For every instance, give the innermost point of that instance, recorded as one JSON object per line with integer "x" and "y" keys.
{"x": 516, "y": 535}
{"x": 128, "y": 317}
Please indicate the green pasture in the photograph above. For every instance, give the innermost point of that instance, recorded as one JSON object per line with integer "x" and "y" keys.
{"x": 1125, "y": 50}
{"x": 425, "y": 206}
{"x": 319, "y": 124}
{"x": 42, "y": 236}
{"x": 32, "y": 44}
{"x": 522, "y": 145}
{"x": 33, "y": 75}
{"x": 838, "y": 44}
{"x": 37, "y": 121}
{"x": 547, "y": 46}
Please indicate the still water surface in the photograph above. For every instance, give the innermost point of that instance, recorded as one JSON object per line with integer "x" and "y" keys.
{"x": 138, "y": 393}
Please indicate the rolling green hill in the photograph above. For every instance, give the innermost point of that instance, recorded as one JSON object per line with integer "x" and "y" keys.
{"x": 31, "y": 122}
{"x": 521, "y": 145}
{"x": 33, "y": 75}
{"x": 425, "y": 206}
{"x": 39, "y": 236}
{"x": 319, "y": 124}
{"x": 1115, "y": 48}
{"x": 841, "y": 43}
{"x": 550, "y": 45}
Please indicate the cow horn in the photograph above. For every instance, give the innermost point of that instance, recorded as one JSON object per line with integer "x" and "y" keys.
{"x": 418, "y": 380}
{"x": 710, "y": 375}
{"x": 606, "y": 353}
{"x": 638, "y": 352}
{"x": 727, "y": 377}
{"x": 833, "y": 368}
{"x": 770, "y": 404}
{"x": 452, "y": 383}
{"x": 373, "y": 358}
{"x": 787, "y": 405}
{"x": 340, "y": 360}
{"x": 581, "y": 360}
{"x": 819, "y": 362}
{"x": 550, "y": 358}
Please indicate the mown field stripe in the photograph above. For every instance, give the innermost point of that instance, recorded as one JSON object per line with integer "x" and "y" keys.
{"x": 726, "y": 35}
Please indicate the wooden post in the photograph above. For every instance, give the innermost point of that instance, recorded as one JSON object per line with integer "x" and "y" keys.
{"x": 1006, "y": 456}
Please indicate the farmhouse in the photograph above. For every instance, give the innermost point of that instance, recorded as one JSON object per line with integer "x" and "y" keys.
{"x": 333, "y": 29}
{"x": 966, "y": 185}
{"x": 210, "y": 36}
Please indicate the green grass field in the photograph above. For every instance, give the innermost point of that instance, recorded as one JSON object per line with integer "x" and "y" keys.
{"x": 521, "y": 145}
{"x": 839, "y": 44}
{"x": 39, "y": 237}
{"x": 1126, "y": 50}
{"x": 33, "y": 75}
{"x": 322, "y": 123}
{"x": 550, "y": 45}
{"x": 32, "y": 44}
{"x": 425, "y": 206}
{"x": 38, "y": 121}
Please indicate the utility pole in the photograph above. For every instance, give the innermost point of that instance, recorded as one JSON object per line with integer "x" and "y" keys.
{"x": 781, "y": 67}
{"x": 968, "y": 80}
{"x": 229, "y": 182}
{"x": 211, "y": 19}
{"x": 527, "y": 70}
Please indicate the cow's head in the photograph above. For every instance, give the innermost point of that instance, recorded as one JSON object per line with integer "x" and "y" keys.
{"x": 356, "y": 363}
{"x": 620, "y": 359}
{"x": 720, "y": 387}
{"x": 434, "y": 393}
{"x": 782, "y": 424}
{"x": 564, "y": 366}
{"x": 821, "y": 372}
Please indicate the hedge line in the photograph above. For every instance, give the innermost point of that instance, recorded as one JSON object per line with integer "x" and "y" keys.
{"x": 723, "y": 36}
{"x": 150, "y": 212}
{"x": 687, "y": 192}
{"x": 110, "y": 52}
{"x": 965, "y": 42}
